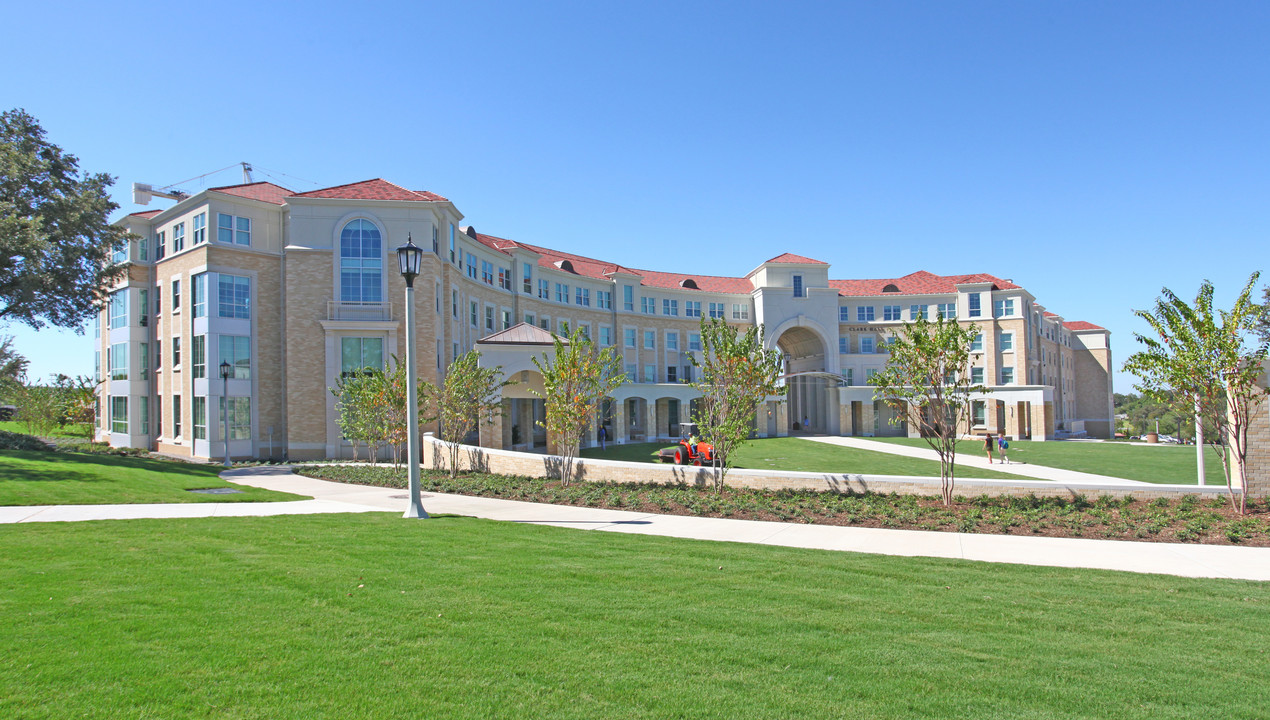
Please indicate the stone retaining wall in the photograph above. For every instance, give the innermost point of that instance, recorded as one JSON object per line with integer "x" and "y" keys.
{"x": 509, "y": 462}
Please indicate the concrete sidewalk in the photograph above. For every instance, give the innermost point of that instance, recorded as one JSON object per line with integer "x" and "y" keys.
{"x": 1216, "y": 561}
{"x": 1040, "y": 472}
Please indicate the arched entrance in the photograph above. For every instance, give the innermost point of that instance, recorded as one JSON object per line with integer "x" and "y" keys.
{"x": 807, "y": 387}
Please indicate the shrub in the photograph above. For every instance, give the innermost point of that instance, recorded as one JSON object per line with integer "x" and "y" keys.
{"x": 18, "y": 441}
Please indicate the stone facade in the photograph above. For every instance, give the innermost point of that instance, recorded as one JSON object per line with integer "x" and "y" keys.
{"x": 321, "y": 304}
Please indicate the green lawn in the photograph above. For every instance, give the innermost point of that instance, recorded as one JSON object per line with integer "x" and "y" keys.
{"x": 370, "y": 616}
{"x": 75, "y": 431}
{"x": 1172, "y": 464}
{"x": 63, "y": 478}
{"x": 801, "y": 455}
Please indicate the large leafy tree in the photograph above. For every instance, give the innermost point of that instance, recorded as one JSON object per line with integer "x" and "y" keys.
{"x": 927, "y": 380}
{"x": 55, "y": 233}
{"x": 469, "y": 395}
{"x": 1210, "y": 360}
{"x": 575, "y": 379}
{"x": 736, "y": 374}
{"x": 12, "y": 366}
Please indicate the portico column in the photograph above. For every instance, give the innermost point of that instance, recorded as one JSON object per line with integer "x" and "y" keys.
{"x": 867, "y": 414}
{"x": 619, "y": 422}
{"x": 651, "y": 426}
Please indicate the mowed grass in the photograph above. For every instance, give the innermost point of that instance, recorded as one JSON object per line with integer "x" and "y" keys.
{"x": 77, "y": 430}
{"x": 1171, "y": 464}
{"x": 371, "y": 616}
{"x": 797, "y": 454}
{"x": 65, "y": 478}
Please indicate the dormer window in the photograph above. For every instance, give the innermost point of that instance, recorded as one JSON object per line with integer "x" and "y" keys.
{"x": 564, "y": 265}
{"x": 890, "y": 287}
{"x": 688, "y": 283}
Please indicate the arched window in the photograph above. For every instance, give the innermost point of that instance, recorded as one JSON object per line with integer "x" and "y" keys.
{"x": 890, "y": 288}
{"x": 361, "y": 263}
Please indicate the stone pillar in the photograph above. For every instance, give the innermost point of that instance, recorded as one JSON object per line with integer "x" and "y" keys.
{"x": 914, "y": 430}
{"x": 844, "y": 418}
{"x": 508, "y": 417}
{"x": 619, "y": 423}
{"x": 651, "y": 424}
{"x": 1042, "y": 421}
{"x": 782, "y": 419}
{"x": 868, "y": 413}
{"x": 525, "y": 419}
{"x": 491, "y": 435}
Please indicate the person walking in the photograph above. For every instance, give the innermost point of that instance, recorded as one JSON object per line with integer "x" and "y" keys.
{"x": 1003, "y": 445}
{"x": 987, "y": 446}
{"x": 603, "y": 437}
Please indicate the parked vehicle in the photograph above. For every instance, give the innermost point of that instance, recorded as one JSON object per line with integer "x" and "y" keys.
{"x": 684, "y": 453}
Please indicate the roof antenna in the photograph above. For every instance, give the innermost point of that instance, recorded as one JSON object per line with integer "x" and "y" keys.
{"x": 246, "y": 172}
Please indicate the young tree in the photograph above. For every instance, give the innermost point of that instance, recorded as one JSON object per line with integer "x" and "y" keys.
{"x": 927, "y": 380}
{"x": 76, "y": 397}
{"x": 469, "y": 395}
{"x": 1208, "y": 361}
{"x": 55, "y": 233}
{"x": 354, "y": 412}
{"x": 575, "y": 379}
{"x": 736, "y": 374}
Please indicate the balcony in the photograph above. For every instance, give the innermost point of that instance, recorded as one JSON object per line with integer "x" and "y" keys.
{"x": 359, "y": 311}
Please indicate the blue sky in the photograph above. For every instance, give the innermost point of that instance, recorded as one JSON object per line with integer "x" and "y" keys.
{"x": 1092, "y": 152}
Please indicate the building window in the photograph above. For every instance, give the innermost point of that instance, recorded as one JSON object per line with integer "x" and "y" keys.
{"x": 199, "y": 282}
{"x": 176, "y": 295}
{"x": 972, "y": 300}
{"x": 119, "y": 415}
{"x": 648, "y": 305}
{"x": 472, "y": 308}
{"x": 176, "y": 353}
{"x": 471, "y": 266}
{"x": 234, "y": 299}
{"x": 606, "y": 336}
{"x": 436, "y": 241}
{"x": 144, "y": 357}
{"x": 158, "y": 355}
{"x": 454, "y": 303}
{"x": 864, "y": 313}
{"x": 452, "y": 254}
{"x": 977, "y": 409}
{"x": 650, "y": 340}
{"x": 178, "y": 237}
{"x": 563, "y": 327}
{"x": 628, "y": 298}
{"x": 144, "y": 306}
{"x": 119, "y": 253}
{"x": 544, "y": 323}
{"x": 692, "y": 308}
{"x": 160, "y": 245}
{"x": 230, "y": 229}
{"x": 716, "y": 310}
{"x": 844, "y": 314}
{"x": 144, "y": 407}
{"x": 849, "y": 376}
{"x": 604, "y": 299}
{"x": 844, "y": 345}
{"x": 144, "y": 247}
{"x": 199, "y": 410}
{"x": 507, "y": 319}
{"x": 630, "y": 374}
{"x": 119, "y": 308}
{"x": 1006, "y": 341}
{"x": 650, "y": 373}
{"x": 867, "y": 345}
{"x": 158, "y": 299}
{"x": 976, "y": 376}
{"x": 669, "y": 307}
{"x": 948, "y": 310}
{"x": 582, "y": 296}
{"x": 891, "y": 312}
{"x": 1007, "y": 376}
{"x": 628, "y": 337}
{"x": 361, "y": 263}
{"x": 198, "y": 350}
{"x": 1003, "y": 308}
{"x": 694, "y": 341}
{"x": 528, "y": 280}
{"x": 544, "y": 291}
{"x": 672, "y": 341}
{"x": 976, "y": 345}
{"x": 487, "y": 272}
{"x": 798, "y": 286}
{"x": 357, "y": 354}
{"x": 176, "y": 417}
{"x": 868, "y": 380}
{"x": 236, "y": 350}
{"x": 117, "y": 359}
{"x": 239, "y": 417}
{"x": 489, "y": 317}
{"x": 917, "y": 311}
{"x": 562, "y": 293}
{"x": 200, "y": 228}
{"x": 740, "y": 311}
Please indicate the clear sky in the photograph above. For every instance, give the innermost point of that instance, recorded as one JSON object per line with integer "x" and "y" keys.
{"x": 1092, "y": 152}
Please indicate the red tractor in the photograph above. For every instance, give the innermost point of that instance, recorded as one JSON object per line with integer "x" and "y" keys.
{"x": 686, "y": 453}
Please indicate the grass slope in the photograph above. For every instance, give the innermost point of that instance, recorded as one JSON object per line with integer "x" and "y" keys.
{"x": 370, "y": 616}
{"x": 63, "y": 478}
{"x": 78, "y": 430}
{"x": 1173, "y": 464}
{"x": 797, "y": 454}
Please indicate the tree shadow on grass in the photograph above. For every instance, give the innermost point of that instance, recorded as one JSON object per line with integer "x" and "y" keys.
{"x": 85, "y": 467}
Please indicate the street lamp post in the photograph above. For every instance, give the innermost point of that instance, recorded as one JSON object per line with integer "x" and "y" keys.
{"x": 225, "y": 369}
{"x": 409, "y": 256}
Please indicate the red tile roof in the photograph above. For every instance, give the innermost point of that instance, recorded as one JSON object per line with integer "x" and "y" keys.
{"x": 1082, "y": 325}
{"x": 376, "y": 189}
{"x": 145, "y": 213}
{"x": 705, "y": 283}
{"x": 1047, "y": 313}
{"x": 262, "y": 191}
{"x": 918, "y": 283}
{"x": 792, "y": 258}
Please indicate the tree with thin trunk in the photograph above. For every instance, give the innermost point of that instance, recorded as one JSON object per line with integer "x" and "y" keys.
{"x": 469, "y": 396}
{"x": 575, "y": 379}
{"x": 736, "y": 374}
{"x": 928, "y": 381}
{"x": 1208, "y": 362}
{"x": 56, "y": 239}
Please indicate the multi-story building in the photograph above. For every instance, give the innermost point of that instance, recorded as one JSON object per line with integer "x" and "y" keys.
{"x": 288, "y": 290}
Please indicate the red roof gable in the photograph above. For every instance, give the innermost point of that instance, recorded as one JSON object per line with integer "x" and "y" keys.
{"x": 918, "y": 283}
{"x": 262, "y": 191}
{"x": 376, "y": 189}
{"x": 145, "y": 213}
{"x": 792, "y": 258}
{"x": 1082, "y": 325}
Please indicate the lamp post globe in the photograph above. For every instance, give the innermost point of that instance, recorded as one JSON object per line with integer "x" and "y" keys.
{"x": 409, "y": 258}
{"x": 225, "y": 369}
